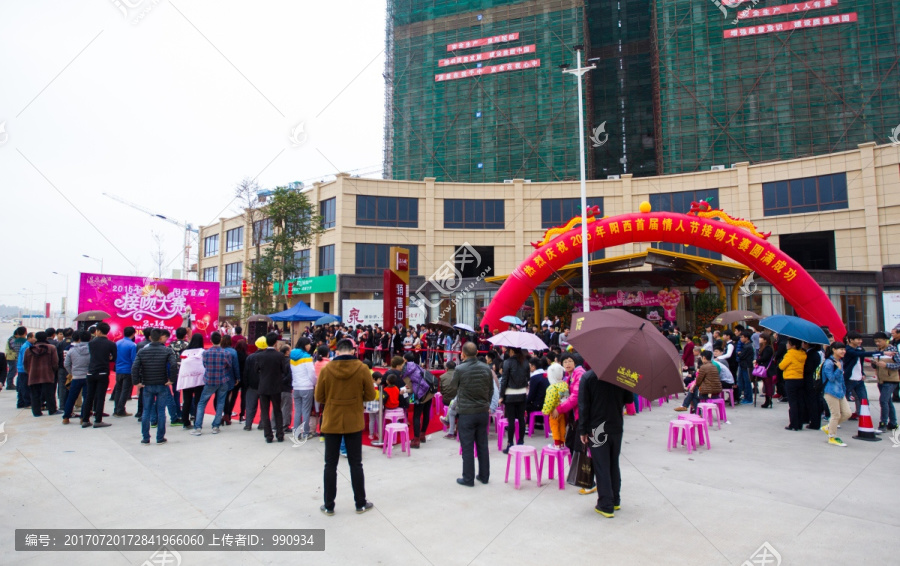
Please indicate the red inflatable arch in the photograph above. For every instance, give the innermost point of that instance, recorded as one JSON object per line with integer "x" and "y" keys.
{"x": 773, "y": 265}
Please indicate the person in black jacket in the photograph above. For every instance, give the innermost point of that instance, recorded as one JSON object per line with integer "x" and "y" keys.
{"x": 812, "y": 389}
{"x": 103, "y": 352}
{"x": 600, "y": 427}
{"x": 745, "y": 366}
{"x": 250, "y": 379}
{"x": 514, "y": 394}
{"x": 765, "y": 359}
{"x": 274, "y": 373}
{"x": 472, "y": 386}
{"x": 537, "y": 387}
{"x": 152, "y": 373}
{"x": 61, "y": 348}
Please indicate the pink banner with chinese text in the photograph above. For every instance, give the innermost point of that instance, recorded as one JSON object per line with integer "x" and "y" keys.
{"x": 146, "y": 302}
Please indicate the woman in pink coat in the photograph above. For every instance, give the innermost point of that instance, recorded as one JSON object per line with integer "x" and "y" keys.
{"x": 571, "y": 362}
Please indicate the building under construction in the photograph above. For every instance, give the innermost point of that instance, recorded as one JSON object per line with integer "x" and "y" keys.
{"x": 475, "y": 90}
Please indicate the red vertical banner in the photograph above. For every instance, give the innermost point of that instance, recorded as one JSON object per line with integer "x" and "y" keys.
{"x": 396, "y": 289}
{"x": 46, "y": 310}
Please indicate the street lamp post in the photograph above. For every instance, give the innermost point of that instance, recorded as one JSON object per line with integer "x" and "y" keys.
{"x": 66, "y": 309}
{"x": 579, "y": 71}
{"x": 95, "y": 259}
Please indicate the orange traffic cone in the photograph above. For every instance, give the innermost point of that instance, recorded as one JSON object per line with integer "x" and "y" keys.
{"x": 866, "y": 430}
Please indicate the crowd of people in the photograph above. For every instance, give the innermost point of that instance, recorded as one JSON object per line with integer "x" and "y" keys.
{"x": 817, "y": 383}
{"x": 340, "y": 374}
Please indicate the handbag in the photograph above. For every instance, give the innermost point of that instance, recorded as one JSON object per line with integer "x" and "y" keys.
{"x": 762, "y": 372}
{"x": 581, "y": 472}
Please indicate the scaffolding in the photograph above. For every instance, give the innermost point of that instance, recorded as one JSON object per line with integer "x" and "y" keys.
{"x": 773, "y": 95}
{"x": 492, "y": 127}
{"x": 388, "y": 90}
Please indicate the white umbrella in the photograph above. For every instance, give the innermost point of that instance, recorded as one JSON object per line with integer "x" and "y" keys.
{"x": 465, "y": 327}
{"x": 522, "y": 340}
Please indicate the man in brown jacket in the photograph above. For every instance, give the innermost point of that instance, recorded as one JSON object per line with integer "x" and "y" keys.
{"x": 41, "y": 364}
{"x": 706, "y": 385}
{"x": 345, "y": 383}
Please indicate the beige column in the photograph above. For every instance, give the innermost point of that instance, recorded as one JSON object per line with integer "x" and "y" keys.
{"x": 743, "y": 192}
{"x": 628, "y": 205}
{"x": 523, "y": 248}
{"x": 432, "y": 219}
{"x": 870, "y": 203}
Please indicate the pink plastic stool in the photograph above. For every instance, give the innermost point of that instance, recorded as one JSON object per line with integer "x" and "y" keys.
{"x": 730, "y": 393}
{"x": 437, "y": 405}
{"x": 643, "y": 403}
{"x": 520, "y": 452}
{"x": 685, "y": 428}
{"x": 391, "y": 433}
{"x": 710, "y": 410}
{"x": 720, "y": 403}
{"x": 531, "y": 418}
{"x": 700, "y": 427}
{"x": 556, "y": 455}
{"x": 501, "y": 428}
{"x": 395, "y": 415}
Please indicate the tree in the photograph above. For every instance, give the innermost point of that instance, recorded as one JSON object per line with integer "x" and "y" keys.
{"x": 286, "y": 221}
{"x": 707, "y": 306}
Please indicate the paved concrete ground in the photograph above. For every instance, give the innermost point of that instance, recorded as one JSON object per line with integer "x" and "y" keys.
{"x": 814, "y": 503}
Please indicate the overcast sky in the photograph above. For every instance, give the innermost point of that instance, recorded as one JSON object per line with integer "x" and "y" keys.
{"x": 169, "y": 104}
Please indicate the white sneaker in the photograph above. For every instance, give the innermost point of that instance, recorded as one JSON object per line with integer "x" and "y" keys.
{"x": 196, "y": 432}
{"x": 215, "y": 430}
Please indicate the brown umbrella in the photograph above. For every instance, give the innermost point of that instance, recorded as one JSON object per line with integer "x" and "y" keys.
{"x": 439, "y": 325}
{"x": 730, "y": 317}
{"x": 92, "y": 316}
{"x": 627, "y": 351}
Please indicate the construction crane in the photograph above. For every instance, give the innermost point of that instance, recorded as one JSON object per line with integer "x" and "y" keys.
{"x": 189, "y": 230}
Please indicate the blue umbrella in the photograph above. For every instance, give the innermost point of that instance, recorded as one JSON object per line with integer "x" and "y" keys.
{"x": 795, "y": 327}
{"x": 327, "y": 319}
{"x": 512, "y": 320}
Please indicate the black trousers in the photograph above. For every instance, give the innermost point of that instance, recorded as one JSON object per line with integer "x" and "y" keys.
{"x": 421, "y": 418}
{"x": 43, "y": 393}
{"x": 243, "y": 387}
{"x": 189, "y": 399}
{"x": 124, "y": 386}
{"x": 252, "y": 406}
{"x": 353, "y": 444}
{"x": 812, "y": 398}
{"x": 793, "y": 388}
{"x": 275, "y": 401}
{"x": 473, "y": 433}
{"x": 231, "y": 401}
{"x": 515, "y": 412}
{"x": 606, "y": 471}
{"x": 95, "y": 398}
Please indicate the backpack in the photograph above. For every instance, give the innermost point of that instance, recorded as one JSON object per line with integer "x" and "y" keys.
{"x": 430, "y": 380}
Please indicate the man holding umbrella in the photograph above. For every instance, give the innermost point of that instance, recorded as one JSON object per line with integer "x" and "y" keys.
{"x": 600, "y": 426}
{"x": 635, "y": 359}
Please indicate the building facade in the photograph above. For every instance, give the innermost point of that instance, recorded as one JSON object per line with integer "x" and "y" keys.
{"x": 475, "y": 94}
{"x": 838, "y": 215}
